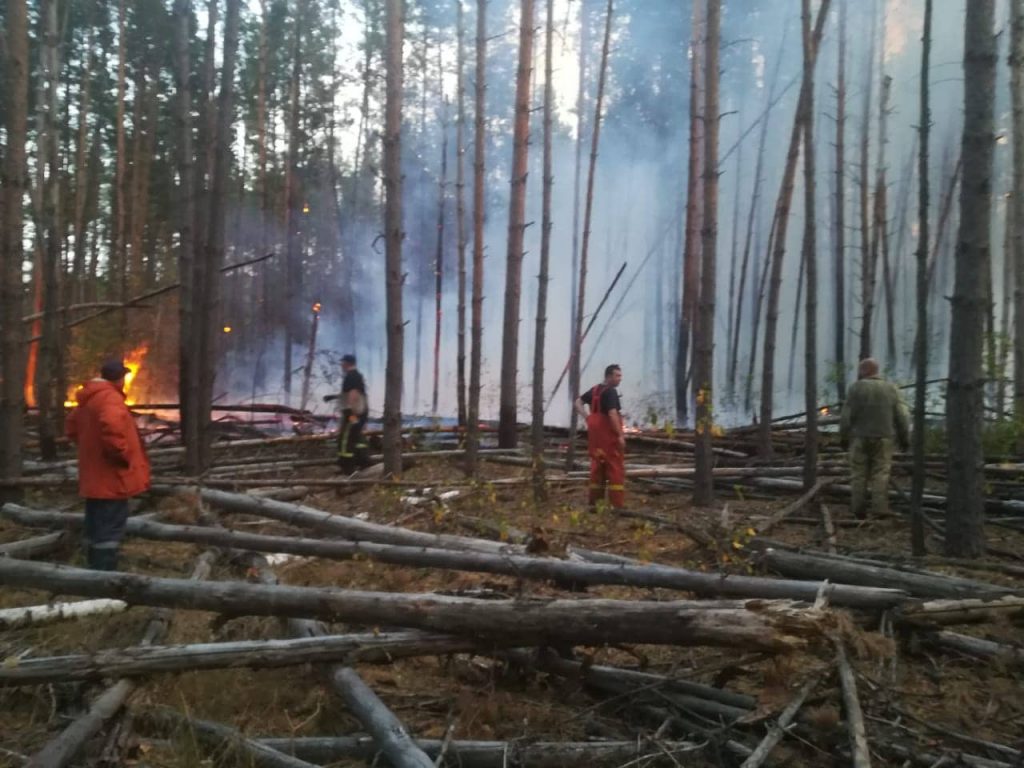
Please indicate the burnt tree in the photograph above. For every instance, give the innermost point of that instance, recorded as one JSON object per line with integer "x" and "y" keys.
{"x": 704, "y": 489}
{"x": 516, "y": 229}
{"x": 965, "y": 534}
{"x": 394, "y": 32}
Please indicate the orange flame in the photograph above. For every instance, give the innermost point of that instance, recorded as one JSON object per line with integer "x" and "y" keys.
{"x": 133, "y": 362}
{"x": 824, "y": 411}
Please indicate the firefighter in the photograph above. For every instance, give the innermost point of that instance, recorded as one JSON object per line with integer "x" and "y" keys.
{"x": 112, "y": 463}
{"x": 873, "y": 419}
{"x": 353, "y": 451}
{"x": 606, "y": 440}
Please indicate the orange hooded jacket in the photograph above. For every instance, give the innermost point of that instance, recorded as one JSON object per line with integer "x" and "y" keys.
{"x": 112, "y": 463}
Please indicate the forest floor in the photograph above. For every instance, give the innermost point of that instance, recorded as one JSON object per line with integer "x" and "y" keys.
{"x": 914, "y": 697}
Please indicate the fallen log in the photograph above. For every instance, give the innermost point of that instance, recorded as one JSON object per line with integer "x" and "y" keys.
{"x": 976, "y": 646}
{"x": 851, "y": 705}
{"x": 520, "y": 566}
{"x": 33, "y": 547}
{"x": 789, "y": 509}
{"x": 34, "y": 615}
{"x": 805, "y": 565}
{"x": 778, "y": 729}
{"x": 491, "y": 754}
{"x": 704, "y": 700}
{"x": 144, "y": 660}
{"x": 967, "y": 611}
{"x": 219, "y": 739}
{"x": 766, "y": 625}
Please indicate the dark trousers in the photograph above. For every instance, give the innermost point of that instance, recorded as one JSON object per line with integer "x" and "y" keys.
{"x": 105, "y": 522}
{"x": 353, "y": 450}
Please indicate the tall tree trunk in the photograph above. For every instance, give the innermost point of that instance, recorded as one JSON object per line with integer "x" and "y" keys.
{"x": 704, "y": 361}
{"x": 882, "y": 209}
{"x": 439, "y": 253}
{"x": 262, "y": 188}
{"x": 810, "y": 257}
{"x": 507, "y": 409}
{"x": 12, "y": 342}
{"x": 460, "y": 214}
{"x": 921, "y": 337}
{"x": 782, "y": 206}
{"x": 82, "y": 173}
{"x": 1017, "y": 201}
{"x": 588, "y": 212}
{"x": 119, "y": 267}
{"x": 395, "y": 30}
{"x": 581, "y": 94}
{"x": 965, "y": 533}
{"x": 868, "y": 247}
{"x": 209, "y": 317}
{"x": 839, "y": 299}
{"x": 537, "y": 431}
{"x": 748, "y": 242}
{"x": 690, "y": 288}
{"x": 49, "y": 369}
{"x": 293, "y": 258}
{"x": 734, "y": 303}
{"x": 479, "y": 138}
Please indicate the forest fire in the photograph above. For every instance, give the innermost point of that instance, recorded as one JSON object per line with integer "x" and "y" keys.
{"x": 824, "y": 411}
{"x": 133, "y": 362}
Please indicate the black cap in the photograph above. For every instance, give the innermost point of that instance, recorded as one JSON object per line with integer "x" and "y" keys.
{"x": 114, "y": 370}
{"x": 350, "y": 359}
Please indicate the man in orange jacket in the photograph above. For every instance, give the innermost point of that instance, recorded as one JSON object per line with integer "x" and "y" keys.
{"x": 112, "y": 462}
{"x": 606, "y": 440}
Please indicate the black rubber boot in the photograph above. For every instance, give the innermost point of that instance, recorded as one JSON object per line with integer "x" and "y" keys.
{"x": 103, "y": 558}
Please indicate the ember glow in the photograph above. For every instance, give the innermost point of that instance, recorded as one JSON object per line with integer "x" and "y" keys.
{"x": 824, "y": 411}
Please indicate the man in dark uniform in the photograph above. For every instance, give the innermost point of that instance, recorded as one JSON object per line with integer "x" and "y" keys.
{"x": 606, "y": 440}
{"x": 353, "y": 451}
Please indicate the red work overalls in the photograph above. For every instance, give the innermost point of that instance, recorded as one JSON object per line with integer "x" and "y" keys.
{"x": 607, "y": 460}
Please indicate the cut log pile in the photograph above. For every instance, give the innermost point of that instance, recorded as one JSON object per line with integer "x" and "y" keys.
{"x": 571, "y": 615}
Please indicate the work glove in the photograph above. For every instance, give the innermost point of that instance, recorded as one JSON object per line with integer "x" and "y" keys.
{"x": 353, "y": 419}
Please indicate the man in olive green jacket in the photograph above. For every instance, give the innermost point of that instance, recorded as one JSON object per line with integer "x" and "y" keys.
{"x": 874, "y": 418}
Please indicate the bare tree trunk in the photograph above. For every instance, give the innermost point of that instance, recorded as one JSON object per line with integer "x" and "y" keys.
{"x": 1017, "y": 201}
{"x": 581, "y": 93}
{"x": 477, "y": 333}
{"x": 810, "y": 257}
{"x": 460, "y": 214}
{"x": 704, "y": 361}
{"x": 262, "y": 188}
{"x": 49, "y": 370}
{"x": 779, "y": 245}
{"x": 208, "y": 331}
{"x": 868, "y": 246}
{"x": 1003, "y": 353}
{"x": 119, "y": 267}
{"x": 293, "y": 257}
{"x": 12, "y": 346}
{"x": 694, "y": 213}
{"x": 395, "y": 30}
{"x": 588, "y": 211}
{"x": 840, "y": 212}
{"x": 882, "y": 212}
{"x": 188, "y": 376}
{"x": 537, "y": 431}
{"x": 507, "y": 410}
{"x": 439, "y": 253}
{"x": 82, "y": 175}
{"x": 734, "y": 304}
{"x": 965, "y": 534}
{"x": 921, "y": 337}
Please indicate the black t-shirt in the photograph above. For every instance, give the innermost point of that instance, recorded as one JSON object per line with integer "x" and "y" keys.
{"x": 609, "y": 399}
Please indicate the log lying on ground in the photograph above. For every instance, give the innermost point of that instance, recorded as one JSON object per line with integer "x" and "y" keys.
{"x": 967, "y": 611}
{"x": 492, "y": 754}
{"x": 519, "y": 566}
{"x": 33, "y": 547}
{"x": 218, "y": 738}
{"x": 704, "y": 700}
{"x": 61, "y": 750}
{"x": 803, "y": 565}
{"x": 851, "y": 705}
{"x": 789, "y": 509}
{"x": 140, "y": 661}
{"x": 977, "y": 647}
{"x": 387, "y": 731}
{"x": 12, "y": 618}
{"x": 757, "y": 624}
{"x": 778, "y": 729}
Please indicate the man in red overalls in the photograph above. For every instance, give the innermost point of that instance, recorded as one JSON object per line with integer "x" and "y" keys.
{"x": 606, "y": 440}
